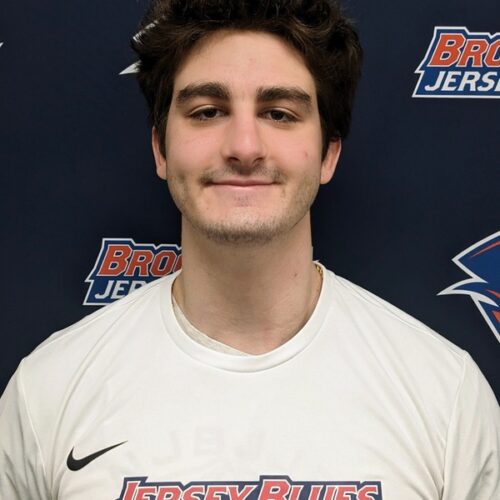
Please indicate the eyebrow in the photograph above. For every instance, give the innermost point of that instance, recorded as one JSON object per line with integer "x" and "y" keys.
{"x": 295, "y": 94}
{"x": 217, "y": 90}
{"x": 209, "y": 89}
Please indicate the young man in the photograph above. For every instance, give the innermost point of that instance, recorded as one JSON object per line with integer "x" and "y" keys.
{"x": 254, "y": 373}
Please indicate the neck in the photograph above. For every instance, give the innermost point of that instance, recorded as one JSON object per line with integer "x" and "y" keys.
{"x": 253, "y": 299}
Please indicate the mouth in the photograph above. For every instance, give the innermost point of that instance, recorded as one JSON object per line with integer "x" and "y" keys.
{"x": 243, "y": 183}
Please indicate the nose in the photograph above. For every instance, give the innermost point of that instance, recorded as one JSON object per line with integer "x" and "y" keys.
{"x": 243, "y": 145}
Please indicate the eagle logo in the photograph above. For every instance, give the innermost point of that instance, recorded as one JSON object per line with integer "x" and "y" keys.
{"x": 481, "y": 262}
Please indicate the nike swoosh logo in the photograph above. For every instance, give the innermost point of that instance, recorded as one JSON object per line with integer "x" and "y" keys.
{"x": 75, "y": 464}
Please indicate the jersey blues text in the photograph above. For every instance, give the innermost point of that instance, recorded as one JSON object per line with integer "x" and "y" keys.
{"x": 123, "y": 265}
{"x": 267, "y": 488}
{"x": 460, "y": 63}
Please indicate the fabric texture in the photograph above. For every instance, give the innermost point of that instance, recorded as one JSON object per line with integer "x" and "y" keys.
{"x": 200, "y": 337}
{"x": 363, "y": 403}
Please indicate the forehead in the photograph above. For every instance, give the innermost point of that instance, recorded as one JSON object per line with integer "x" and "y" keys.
{"x": 244, "y": 61}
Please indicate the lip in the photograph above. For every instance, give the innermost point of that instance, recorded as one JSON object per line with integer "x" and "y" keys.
{"x": 243, "y": 183}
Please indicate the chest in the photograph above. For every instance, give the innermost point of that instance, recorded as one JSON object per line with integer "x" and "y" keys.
{"x": 281, "y": 437}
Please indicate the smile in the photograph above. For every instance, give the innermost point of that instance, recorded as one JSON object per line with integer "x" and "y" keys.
{"x": 243, "y": 183}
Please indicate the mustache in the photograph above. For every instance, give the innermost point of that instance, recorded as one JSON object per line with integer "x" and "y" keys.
{"x": 230, "y": 171}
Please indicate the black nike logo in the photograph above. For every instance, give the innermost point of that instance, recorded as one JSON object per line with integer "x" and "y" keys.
{"x": 75, "y": 464}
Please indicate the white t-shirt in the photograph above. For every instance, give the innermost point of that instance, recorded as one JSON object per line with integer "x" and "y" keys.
{"x": 364, "y": 403}
{"x": 199, "y": 336}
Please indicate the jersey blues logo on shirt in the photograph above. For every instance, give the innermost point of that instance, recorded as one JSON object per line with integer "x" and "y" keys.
{"x": 123, "y": 265}
{"x": 481, "y": 261}
{"x": 267, "y": 488}
{"x": 459, "y": 63}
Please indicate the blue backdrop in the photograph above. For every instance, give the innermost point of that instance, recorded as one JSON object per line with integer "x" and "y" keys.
{"x": 417, "y": 184}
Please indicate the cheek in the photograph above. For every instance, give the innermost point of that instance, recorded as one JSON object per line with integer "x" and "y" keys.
{"x": 306, "y": 159}
{"x": 304, "y": 147}
{"x": 190, "y": 156}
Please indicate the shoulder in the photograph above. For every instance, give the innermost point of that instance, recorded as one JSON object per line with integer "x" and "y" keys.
{"x": 400, "y": 352}
{"x": 69, "y": 378}
{"x": 76, "y": 367}
{"x": 393, "y": 322}
{"x": 394, "y": 335}
{"x": 105, "y": 330}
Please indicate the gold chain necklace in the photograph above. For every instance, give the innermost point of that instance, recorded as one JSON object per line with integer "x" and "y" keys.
{"x": 319, "y": 269}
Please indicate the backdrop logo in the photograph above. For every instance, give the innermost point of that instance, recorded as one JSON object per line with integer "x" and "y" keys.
{"x": 134, "y": 68}
{"x": 123, "y": 265}
{"x": 482, "y": 262}
{"x": 459, "y": 63}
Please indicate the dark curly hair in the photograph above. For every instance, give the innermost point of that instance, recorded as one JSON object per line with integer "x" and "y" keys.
{"x": 316, "y": 28}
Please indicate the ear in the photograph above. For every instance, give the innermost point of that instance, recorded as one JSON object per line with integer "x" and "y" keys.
{"x": 329, "y": 164}
{"x": 160, "y": 160}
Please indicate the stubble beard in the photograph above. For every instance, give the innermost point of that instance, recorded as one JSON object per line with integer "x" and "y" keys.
{"x": 248, "y": 230}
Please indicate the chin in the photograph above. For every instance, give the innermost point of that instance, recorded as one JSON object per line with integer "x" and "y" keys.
{"x": 249, "y": 233}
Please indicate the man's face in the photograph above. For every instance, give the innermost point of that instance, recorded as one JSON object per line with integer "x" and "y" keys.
{"x": 243, "y": 139}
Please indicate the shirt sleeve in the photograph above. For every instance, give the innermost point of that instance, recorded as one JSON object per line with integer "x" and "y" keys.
{"x": 472, "y": 458}
{"x": 21, "y": 465}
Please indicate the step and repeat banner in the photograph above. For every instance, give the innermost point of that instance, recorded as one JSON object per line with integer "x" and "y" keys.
{"x": 412, "y": 214}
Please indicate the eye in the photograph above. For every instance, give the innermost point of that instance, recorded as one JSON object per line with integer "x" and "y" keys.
{"x": 280, "y": 116}
{"x": 206, "y": 114}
